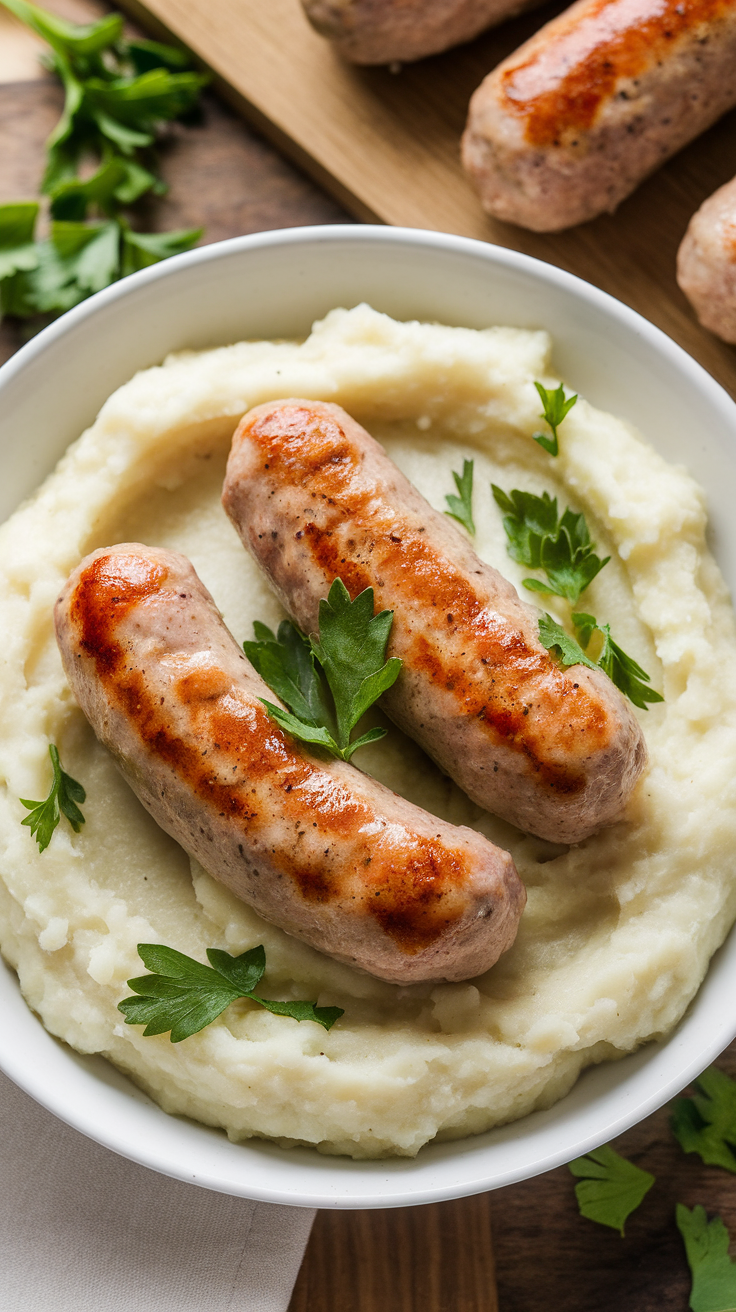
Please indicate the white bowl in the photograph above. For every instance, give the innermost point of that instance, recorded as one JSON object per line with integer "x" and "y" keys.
{"x": 274, "y": 285}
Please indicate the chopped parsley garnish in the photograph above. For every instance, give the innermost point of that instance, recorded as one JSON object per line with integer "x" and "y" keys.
{"x": 540, "y": 539}
{"x": 555, "y": 410}
{"x": 621, "y": 669}
{"x": 62, "y": 800}
{"x": 461, "y": 506}
{"x": 182, "y": 996}
{"x": 328, "y": 683}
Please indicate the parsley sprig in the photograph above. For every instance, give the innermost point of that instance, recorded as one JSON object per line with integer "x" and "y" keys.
{"x": 621, "y": 669}
{"x": 117, "y": 94}
{"x": 63, "y": 797}
{"x": 713, "y": 1272}
{"x": 610, "y": 1187}
{"x": 540, "y": 538}
{"x": 554, "y": 411}
{"x": 346, "y": 661}
{"x": 461, "y": 506}
{"x": 183, "y": 996}
{"x": 706, "y": 1123}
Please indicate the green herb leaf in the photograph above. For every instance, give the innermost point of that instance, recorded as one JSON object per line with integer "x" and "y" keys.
{"x": 351, "y": 650}
{"x": 621, "y": 669}
{"x": 62, "y": 800}
{"x": 461, "y": 506}
{"x": 528, "y": 519}
{"x": 611, "y": 1187}
{"x": 713, "y": 1272}
{"x": 182, "y": 996}
{"x": 287, "y": 664}
{"x": 706, "y": 1123}
{"x": 555, "y": 639}
{"x": 116, "y": 96}
{"x": 555, "y": 410}
{"x": 561, "y": 547}
{"x": 68, "y": 38}
{"x": 140, "y": 249}
{"x": 347, "y": 662}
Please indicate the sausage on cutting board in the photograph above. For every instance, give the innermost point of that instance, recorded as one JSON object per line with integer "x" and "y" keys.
{"x": 316, "y": 846}
{"x": 314, "y": 497}
{"x": 399, "y": 31}
{"x": 573, "y": 121}
{"x": 706, "y": 262}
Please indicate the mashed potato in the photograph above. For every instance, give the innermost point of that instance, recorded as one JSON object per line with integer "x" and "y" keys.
{"x": 618, "y": 931}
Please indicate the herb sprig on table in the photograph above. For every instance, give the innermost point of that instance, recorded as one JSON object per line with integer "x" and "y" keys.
{"x": 328, "y": 683}
{"x": 63, "y": 797}
{"x": 100, "y": 161}
{"x": 182, "y": 996}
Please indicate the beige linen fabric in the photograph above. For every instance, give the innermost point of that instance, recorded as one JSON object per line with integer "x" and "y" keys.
{"x": 83, "y": 1230}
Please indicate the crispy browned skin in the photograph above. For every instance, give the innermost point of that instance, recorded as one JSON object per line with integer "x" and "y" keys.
{"x": 706, "y": 262}
{"x": 314, "y": 497}
{"x": 317, "y": 847}
{"x": 390, "y": 31}
{"x": 579, "y": 115}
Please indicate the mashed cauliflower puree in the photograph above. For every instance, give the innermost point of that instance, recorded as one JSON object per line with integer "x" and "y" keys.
{"x": 618, "y": 931}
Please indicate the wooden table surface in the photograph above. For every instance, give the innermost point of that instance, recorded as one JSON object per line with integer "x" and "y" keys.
{"x": 438, "y": 1258}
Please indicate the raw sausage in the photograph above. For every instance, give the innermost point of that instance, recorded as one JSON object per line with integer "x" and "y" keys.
{"x": 390, "y": 31}
{"x": 706, "y": 262}
{"x": 317, "y": 847}
{"x": 314, "y": 497}
{"x": 579, "y": 115}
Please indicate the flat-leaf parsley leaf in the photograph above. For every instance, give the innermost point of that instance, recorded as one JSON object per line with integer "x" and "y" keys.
{"x": 461, "y": 506}
{"x": 62, "y": 800}
{"x": 713, "y": 1272}
{"x": 182, "y": 996}
{"x": 610, "y": 1187}
{"x": 706, "y": 1123}
{"x": 349, "y": 657}
{"x": 537, "y": 537}
{"x": 555, "y": 410}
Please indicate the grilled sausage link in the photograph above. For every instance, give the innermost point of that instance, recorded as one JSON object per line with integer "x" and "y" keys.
{"x": 579, "y": 115}
{"x": 387, "y": 31}
{"x": 320, "y": 849}
{"x": 314, "y": 497}
{"x": 706, "y": 262}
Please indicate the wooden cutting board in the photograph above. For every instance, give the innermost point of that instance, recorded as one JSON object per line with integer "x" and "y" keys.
{"x": 386, "y": 144}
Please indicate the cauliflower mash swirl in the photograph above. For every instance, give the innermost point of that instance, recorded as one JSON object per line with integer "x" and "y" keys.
{"x": 618, "y": 930}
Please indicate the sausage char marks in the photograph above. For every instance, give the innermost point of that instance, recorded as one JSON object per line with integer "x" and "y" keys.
{"x": 315, "y": 846}
{"x": 314, "y": 498}
{"x": 567, "y": 126}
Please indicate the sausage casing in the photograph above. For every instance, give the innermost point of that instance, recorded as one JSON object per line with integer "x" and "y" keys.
{"x": 390, "y": 31}
{"x": 573, "y": 121}
{"x": 706, "y": 262}
{"x": 314, "y": 497}
{"x": 317, "y": 847}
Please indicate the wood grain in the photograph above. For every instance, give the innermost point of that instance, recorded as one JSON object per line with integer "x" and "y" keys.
{"x": 387, "y": 146}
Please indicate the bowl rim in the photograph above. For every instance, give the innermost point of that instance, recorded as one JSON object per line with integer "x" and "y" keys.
{"x": 314, "y": 1180}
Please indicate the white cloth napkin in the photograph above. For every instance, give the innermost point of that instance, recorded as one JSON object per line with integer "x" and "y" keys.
{"x": 83, "y": 1230}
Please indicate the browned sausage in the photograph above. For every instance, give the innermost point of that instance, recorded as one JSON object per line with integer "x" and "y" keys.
{"x": 577, "y": 117}
{"x": 390, "y": 31}
{"x": 314, "y": 497}
{"x": 317, "y": 847}
{"x": 706, "y": 262}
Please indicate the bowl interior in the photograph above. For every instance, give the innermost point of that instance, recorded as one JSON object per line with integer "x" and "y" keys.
{"x": 276, "y": 285}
